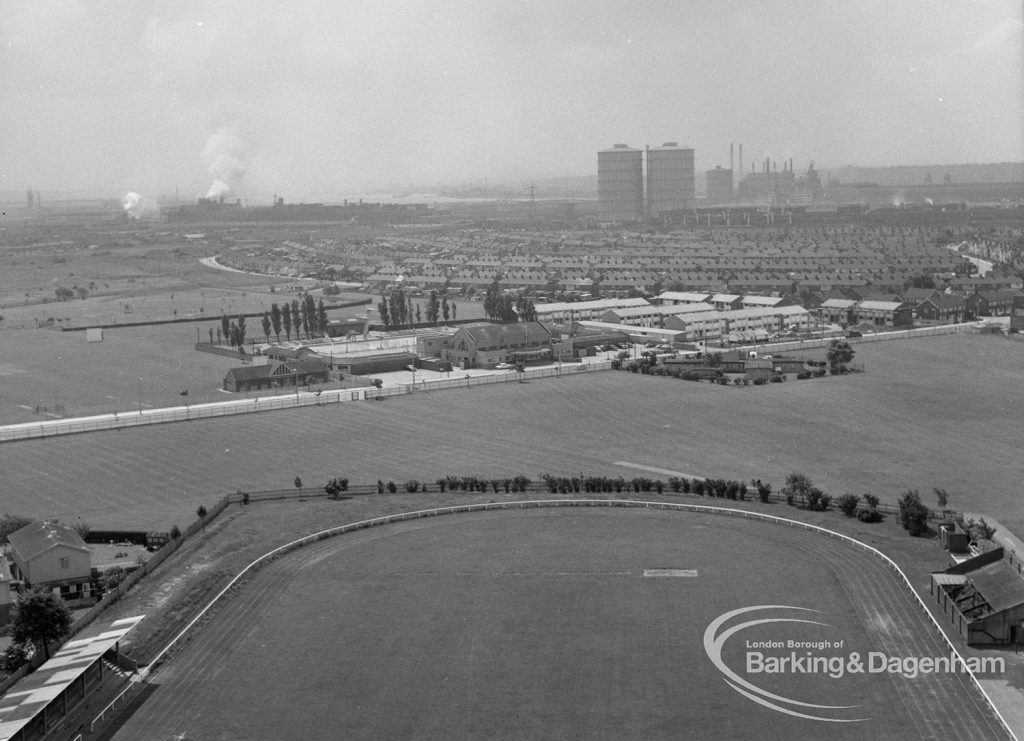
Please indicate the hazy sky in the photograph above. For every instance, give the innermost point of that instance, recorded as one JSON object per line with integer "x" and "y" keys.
{"x": 318, "y": 99}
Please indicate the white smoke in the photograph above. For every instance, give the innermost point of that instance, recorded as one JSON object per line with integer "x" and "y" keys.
{"x": 135, "y": 205}
{"x": 227, "y": 158}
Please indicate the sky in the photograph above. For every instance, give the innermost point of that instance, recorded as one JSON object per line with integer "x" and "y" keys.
{"x": 316, "y": 100}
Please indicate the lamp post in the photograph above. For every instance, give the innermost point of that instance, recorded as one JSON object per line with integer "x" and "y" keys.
{"x": 140, "y": 394}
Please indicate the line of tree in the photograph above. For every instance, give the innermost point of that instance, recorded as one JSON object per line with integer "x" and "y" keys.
{"x": 307, "y": 317}
{"x": 397, "y": 309}
{"x": 505, "y": 307}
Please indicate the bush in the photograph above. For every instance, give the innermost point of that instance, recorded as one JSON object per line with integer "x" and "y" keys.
{"x": 412, "y": 486}
{"x": 847, "y": 504}
{"x": 392, "y": 487}
{"x": 175, "y": 532}
{"x": 870, "y": 515}
{"x": 803, "y": 375}
{"x": 760, "y": 381}
{"x": 871, "y": 501}
{"x": 913, "y": 515}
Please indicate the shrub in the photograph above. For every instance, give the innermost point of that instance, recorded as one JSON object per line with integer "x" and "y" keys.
{"x": 870, "y": 515}
{"x": 175, "y": 532}
{"x": 847, "y": 504}
{"x": 616, "y": 364}
{"x": 760, "y": 381}
{"x": 392, "y": 487}
{"x": 871, "y": 501}
{"x": 442, "y": 484}
{"x": 764, "y": 491}
{"x": 803, "y": 375}
{"x": 913, "y": 515}
{"x": 659, "y": 486}
{"x": 675, "y": 484}
{"x": 412, "y": 486}
{"x": 686, "y": 486}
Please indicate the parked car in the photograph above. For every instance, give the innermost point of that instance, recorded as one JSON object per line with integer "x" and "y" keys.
{"x": 853, "y": 333}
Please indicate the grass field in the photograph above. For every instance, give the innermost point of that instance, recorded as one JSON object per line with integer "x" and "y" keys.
{"x": 540, "y": 624}
{"x": 940, "y": 411}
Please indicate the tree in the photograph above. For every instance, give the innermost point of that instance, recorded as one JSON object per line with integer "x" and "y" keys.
{"x": 298, "y": 484}
{"x": 798, "y": 486}
{"x": 201, "y": 514}
{"x": 453, "y": 311}
{"x": 848, "y": 504}
{"x": 433, "y": 307}
{"x": 445, "y": 309}
{"x": 838, "y": 355}
{"x": 225, "y": 325}
{"x": 275, "y": 320}
{"x": 296, "y": 317}
{"x": 419, "y": 317}
{"x": 941, "y": 497}
{"x": 83, "y": 293}
{"x": 11, "y": 524}
{"x": 913, "y": 515}
{"x": 266, "y": 326}
{"x": 241, "y": 330}
{"x": 385, "y": 314}
{"x": 40, "y": 618}
{"x": 286, "y": 318}
{"x": 321, "y": 318}
{"x": 64, "y": 294}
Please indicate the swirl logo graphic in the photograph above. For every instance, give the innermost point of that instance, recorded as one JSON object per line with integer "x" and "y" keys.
{"x": 714, "y": 641}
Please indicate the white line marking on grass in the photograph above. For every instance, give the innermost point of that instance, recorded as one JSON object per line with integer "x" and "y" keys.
{"x": 652, "y": 469}
{"x": 23, "y": 406}
{"x": 670, "y": 572}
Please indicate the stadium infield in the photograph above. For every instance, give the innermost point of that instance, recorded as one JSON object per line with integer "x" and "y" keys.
{"x": 541, "y": 624}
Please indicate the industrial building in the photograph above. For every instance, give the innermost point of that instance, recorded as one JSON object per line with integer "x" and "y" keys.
{"x": 719, "y": 184}
{"x": 670, "y": 179}
{"x": 620, "y": 183}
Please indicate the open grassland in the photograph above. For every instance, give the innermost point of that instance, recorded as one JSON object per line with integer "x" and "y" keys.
{"x": 540, "y": 624}
{"x": 940, "y": 411}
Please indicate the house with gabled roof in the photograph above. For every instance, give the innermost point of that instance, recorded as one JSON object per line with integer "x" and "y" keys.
{"x": 485, "y": 344}
{"x": 52, "y": 555}
{"x": 941, "y": 308}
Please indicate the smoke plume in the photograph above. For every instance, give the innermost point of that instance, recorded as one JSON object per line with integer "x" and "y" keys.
{"x": 227, "y": 158}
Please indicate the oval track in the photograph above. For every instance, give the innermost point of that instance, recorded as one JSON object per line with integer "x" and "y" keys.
{"x": 314, "y": 644}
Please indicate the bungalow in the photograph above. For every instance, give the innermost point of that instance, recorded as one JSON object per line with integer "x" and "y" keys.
{"x": 276, "y": 374}
{"x": 483, "y": 344}
{"x": 52, "y": 555}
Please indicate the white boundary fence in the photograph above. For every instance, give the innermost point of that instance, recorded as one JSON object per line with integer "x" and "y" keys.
{"x": 342, "y": 529}
{"x": 895, "y": 334}
{"x": 118, "y": 421}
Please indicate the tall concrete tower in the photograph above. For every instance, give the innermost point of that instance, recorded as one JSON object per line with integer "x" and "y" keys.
{"x": 620, "y": 183}
{"x": 670, "y": 179}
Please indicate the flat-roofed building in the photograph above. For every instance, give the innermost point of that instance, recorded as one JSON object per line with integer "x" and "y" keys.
{"x": 671, "y": 298}
{"x": 652, "y": 316}
{"x": 583, "y": 310}
{"x": 620, "y": 183}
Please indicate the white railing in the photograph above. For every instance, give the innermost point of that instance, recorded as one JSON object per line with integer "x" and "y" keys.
{"x": 118, "y": 421}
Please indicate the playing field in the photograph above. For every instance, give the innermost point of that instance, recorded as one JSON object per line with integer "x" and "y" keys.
{"x": 542, "y": 624}
{"x": 941, "y": 411}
